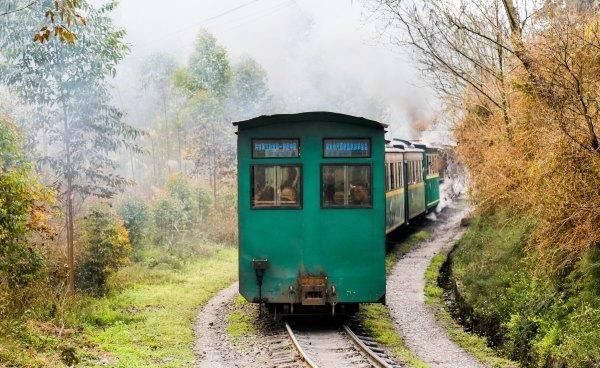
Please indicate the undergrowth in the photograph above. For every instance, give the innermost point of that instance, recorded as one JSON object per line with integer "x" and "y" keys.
{"x": 147, "y": 321}
{"x": 538, "y": 317}
{"x": 470, "y": 342}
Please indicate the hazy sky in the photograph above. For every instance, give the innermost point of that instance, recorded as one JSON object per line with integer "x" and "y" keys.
{"x": 311, "y": 49}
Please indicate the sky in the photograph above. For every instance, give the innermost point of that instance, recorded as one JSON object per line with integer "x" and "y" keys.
{"x": 319, "y": 55}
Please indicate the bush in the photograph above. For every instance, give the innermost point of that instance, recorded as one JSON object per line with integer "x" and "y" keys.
{"x": 24, "y": 206}
{"x": 168, "y": 222}
{"x": 136, "y": 219}
{"x": 538, "y": 319}
{"x": 107, "y": 248}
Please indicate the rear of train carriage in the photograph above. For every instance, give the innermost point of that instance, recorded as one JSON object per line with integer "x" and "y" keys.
{"x": 311, "y": 195}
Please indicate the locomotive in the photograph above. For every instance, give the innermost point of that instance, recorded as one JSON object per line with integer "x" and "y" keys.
{"x": 317, "y": 194}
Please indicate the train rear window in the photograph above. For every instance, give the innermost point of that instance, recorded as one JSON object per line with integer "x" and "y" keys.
{"x": 276, "y": 186}
{"x": 346, "y": 186}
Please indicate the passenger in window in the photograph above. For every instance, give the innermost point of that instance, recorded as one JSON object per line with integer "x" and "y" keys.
{"x": 289, "y": 187}
{"x": 329, "y": 184}
{"x": 359, "y": 192}
{"x": 263, "y": 191}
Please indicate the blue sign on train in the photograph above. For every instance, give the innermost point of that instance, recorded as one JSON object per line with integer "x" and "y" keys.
{"x": 347, "y": 147}
{"x": 273, "y": 148}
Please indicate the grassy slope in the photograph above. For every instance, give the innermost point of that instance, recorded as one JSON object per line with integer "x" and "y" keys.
{"x": 537, "y": 318}
{"x": 149, "y": 323}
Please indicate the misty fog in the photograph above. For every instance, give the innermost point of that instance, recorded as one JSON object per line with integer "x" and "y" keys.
{"x": 319, "y": 55}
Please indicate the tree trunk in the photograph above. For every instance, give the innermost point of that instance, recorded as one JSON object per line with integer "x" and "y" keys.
{"x": 179, "y": 147}
{"x": 70, "y": 246}
{"x": 68, "y": 173}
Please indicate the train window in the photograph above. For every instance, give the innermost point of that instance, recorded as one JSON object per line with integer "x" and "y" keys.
{"x": 401, "y": 175}
{"x": 392, "y": 176}
{"x": 346, "y": 186}
{"x": 276, "y": 186}
{"x": 397, "y": 171}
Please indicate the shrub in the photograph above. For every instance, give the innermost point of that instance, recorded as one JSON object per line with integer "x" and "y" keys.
{"x": 168, "y": 222}
{"x": 136, "y": 219}
{"x": 24, "y": 206}
{"x": 536, "y": 318}
{"x": 107, "y": 248}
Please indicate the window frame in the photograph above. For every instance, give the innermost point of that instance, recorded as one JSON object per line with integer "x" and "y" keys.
{"x": 345, "y": 207}
{"x": 274, "y": 207}
{"x": 342, "y": 138}
{"x": 275, "y": 139}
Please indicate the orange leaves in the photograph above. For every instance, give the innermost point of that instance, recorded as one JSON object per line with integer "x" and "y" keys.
{"x": 546, "y": 169}
{"x": 66, "y": 14}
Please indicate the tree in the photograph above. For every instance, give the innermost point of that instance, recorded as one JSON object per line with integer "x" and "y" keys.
{"x": 69, "y": 88}
{"x": 60, "y": 16}
{"x": 208, "y": 70}
{"x": 249, "y": 89}
{"x": 217, "y": 93}
{"x": 471, "y": 45}
{"x": 161, "y": 108}
{"x": 107, "y": 249}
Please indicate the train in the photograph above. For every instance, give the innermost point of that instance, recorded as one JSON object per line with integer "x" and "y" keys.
{"x": 317, "y": 194}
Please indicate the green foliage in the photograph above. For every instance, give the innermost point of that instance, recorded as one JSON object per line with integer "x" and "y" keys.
{"x": 538, "y": 319}
{"x": 376, "y": 320}
{"x": 136, "y": 217}
{"x": 149, "y": 323}
{"x": 107, "y": 248}
{"x": 215, "y": 92}
{"x": 182, "y": 192}
{"x": 208, "y": 70}
{"x": 168, "y": 226}
{"x": 471, "y": 342}
{"x": 68, "y": 87}
{"x": 178, "y": 215}
{"x": 22, "y": 211}
{"x": 249, "y": 88}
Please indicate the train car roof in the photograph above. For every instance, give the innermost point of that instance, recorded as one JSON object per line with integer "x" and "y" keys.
{"x": 324, "y": 116}
{"x": 401, "y": 145}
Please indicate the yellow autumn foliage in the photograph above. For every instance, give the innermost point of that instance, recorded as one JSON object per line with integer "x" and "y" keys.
{"x": 543, "y": 164}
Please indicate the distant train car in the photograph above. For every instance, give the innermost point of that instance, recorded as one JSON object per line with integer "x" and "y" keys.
{"x": 412, "y": 182}
{"x": 317, "y": 193}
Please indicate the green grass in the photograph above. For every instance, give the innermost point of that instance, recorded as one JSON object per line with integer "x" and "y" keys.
{"x": 147, "y": 321}
{"x": 151, "y": 324}
{"x": 470, "y": 342}
{"x": 239, "y": 323}
{"x": 376, "y": 320}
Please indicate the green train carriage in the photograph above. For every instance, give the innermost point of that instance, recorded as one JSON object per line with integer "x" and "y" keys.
{"x": 311, "y": 210}
{"x": 313, "y": 196}
{"x": 412, "y": 182}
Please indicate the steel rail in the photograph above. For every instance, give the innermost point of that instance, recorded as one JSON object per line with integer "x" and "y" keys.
{"x": 371, "y": 355}
{"x": 301, "y": 351}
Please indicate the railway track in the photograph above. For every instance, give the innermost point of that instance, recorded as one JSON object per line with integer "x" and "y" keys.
{"x": 338, "y": 346}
